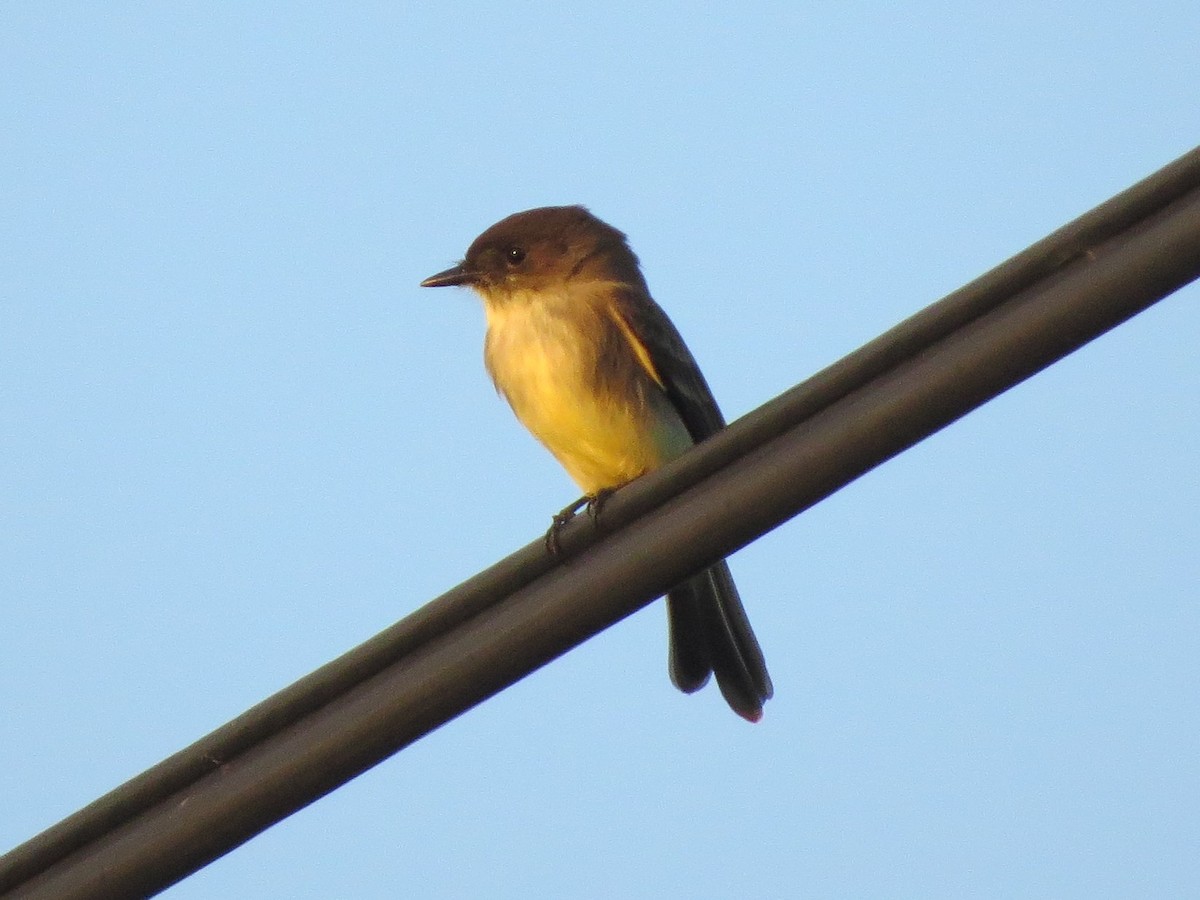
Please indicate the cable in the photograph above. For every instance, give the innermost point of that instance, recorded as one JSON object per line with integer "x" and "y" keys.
{"x": 523, "y": 612}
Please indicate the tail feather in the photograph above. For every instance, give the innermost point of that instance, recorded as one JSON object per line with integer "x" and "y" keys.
{"x": 690, "y": 660}
{"x": 710, "y": 633}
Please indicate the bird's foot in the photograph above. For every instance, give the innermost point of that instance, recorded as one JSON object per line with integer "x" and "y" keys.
{"x": 596, "y": 502}
{"x": 592, "y": 502}
{"x": 561, "y": 518}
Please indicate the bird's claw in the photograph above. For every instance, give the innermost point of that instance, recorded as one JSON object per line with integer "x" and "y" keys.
{"x": 561, "y": 518}
{"x": 592, "y": 502}
{"x": 596, "y": 502}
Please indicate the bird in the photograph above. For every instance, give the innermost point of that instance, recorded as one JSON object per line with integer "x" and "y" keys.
{"x": 593, "y": 367}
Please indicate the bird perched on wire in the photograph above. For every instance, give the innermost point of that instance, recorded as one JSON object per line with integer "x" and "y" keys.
{"x": 593, "y": 367}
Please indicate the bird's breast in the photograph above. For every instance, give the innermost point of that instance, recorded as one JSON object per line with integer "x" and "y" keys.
{"x": 545, "y": 359}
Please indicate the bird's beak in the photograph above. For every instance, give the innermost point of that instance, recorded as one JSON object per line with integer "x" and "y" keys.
{"x": 459, "y": 274}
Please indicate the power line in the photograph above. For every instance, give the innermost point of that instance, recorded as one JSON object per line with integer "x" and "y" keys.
{"x": 521, "y": 613}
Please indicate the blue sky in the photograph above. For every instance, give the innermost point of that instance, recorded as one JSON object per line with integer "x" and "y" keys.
{"x": 239, "y": 439}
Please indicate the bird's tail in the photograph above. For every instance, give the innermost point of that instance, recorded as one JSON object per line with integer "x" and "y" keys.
{"x": 710, "y": 633}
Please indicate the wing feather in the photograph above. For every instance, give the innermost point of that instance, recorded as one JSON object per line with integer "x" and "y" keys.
{"x": 660, "y": 350}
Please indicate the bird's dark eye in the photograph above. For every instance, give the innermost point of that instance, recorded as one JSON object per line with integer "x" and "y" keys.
{"x": 515, "y": 256}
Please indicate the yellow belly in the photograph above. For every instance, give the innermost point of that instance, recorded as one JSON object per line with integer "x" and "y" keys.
{"x": 604, "y": 434}
{"x": 602, "y": 442}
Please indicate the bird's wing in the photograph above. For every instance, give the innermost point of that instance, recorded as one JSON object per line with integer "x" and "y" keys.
{"x": 661, "y": 352}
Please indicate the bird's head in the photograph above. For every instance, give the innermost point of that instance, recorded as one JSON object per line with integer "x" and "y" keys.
{"x": 549, "y": 249}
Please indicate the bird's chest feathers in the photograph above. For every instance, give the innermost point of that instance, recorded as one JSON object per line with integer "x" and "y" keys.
{"x": 545, "y": 358}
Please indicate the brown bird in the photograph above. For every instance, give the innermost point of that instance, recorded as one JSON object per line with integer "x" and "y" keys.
{"x": 593, "y": 367}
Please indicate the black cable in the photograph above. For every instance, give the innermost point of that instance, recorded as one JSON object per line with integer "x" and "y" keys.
{"x": 514, "y": 617}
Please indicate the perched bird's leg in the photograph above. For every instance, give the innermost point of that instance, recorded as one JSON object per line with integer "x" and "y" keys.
{"x": 592, "y": 502}
{"x": 596, "y": 502}
{"x": 562, "y": 517}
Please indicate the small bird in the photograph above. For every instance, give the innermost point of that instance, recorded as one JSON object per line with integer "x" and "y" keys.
{"x": 593, "y": 367}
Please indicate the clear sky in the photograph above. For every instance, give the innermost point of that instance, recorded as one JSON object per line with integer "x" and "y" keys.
{"x": 237, "y": 439}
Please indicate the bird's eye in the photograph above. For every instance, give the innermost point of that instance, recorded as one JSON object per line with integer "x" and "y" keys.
{"x": 515, "y": 256}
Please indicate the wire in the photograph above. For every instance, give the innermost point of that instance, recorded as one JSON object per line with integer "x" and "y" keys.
{"x": 528, "y": 609}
